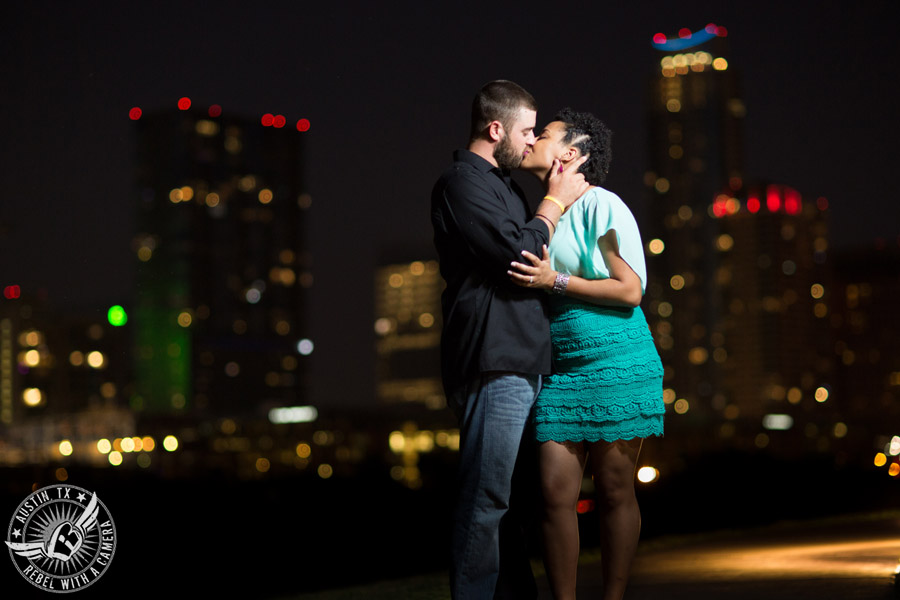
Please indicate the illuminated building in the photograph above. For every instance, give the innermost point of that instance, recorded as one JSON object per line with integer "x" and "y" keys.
{"x": 408, "y": 333}
{"x": 866, "y": 347}
{"x": 223, "y": 267}
{"x": 407, "y": 370}
{"x": 694, "y": 128}
{"x": 737, "y": 272}
{"x": 771, "y": 341}
{"x": 63, "y": 377}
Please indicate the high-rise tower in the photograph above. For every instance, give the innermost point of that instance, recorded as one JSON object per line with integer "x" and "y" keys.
{"x": 224, "y": 268}
{"x": 695, "y": 148}
{"x": 738, "y": 278}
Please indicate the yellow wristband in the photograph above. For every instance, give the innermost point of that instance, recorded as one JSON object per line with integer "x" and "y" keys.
{"x": 556, "y": 202}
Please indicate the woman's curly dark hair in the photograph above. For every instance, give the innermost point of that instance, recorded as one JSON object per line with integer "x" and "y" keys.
{"x": 592, "y": 137}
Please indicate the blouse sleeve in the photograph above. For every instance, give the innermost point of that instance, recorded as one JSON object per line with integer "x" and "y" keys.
{"x": 610, "y": 213}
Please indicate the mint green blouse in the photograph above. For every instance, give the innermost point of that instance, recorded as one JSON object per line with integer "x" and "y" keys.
{"x": 574, "y": 248}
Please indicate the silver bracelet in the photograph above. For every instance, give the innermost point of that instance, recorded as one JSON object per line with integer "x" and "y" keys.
{"x": 560, "y": 285}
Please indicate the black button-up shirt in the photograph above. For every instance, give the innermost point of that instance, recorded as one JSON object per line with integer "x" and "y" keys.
{"x": 481, "y": 224}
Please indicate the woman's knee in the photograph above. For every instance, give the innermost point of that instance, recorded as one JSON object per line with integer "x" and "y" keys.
{"x": 613, "y": 493}
{"x": 560, "y": 493}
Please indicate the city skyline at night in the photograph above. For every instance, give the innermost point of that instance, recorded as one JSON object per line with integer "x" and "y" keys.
{"x": 705, "y": 224}
{"x": 221, "y": 300}
{"x": 815, "y": 120}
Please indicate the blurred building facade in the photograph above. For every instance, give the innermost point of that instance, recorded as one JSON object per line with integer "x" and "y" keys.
{"x": 408, "y": 333}
{"x": 408, "y": 322}
{"x": 772, "y": 340}
{"x": 866, "y": 350}
{"x": 224, "y": 268}
{"x": 64, "y": 379}
{"x": 738, "y": 270}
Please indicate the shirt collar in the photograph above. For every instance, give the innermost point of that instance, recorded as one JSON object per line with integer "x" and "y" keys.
{"x": 467, "y": 156}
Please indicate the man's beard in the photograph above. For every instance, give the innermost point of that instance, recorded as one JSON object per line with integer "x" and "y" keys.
{"x": 506, "y": 156}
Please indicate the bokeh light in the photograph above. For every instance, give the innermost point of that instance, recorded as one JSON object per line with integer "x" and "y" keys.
{"x": 65, "y": 448}
{"x": 116, "y": 316}
{"x": 33, "y": 397}
{"x": 647, "y": 474}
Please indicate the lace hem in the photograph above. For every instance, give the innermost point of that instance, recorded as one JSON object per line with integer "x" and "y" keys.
{"x": 606, "y": 431}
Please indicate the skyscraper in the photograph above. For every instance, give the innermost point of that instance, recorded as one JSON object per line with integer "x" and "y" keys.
{"x": 695, "y": 149}
{"x": 223, "y": 264}
{"x": 772, "y": 341}
{"x": 738, "y": 271}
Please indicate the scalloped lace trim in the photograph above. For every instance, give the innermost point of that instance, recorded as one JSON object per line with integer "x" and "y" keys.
{"x": 609, "y": 432}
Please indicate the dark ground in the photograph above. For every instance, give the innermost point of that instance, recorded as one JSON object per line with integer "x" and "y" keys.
{"x": 297, "y": 535}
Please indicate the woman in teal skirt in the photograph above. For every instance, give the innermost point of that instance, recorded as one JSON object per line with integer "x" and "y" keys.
{"x": 605, "y": 393}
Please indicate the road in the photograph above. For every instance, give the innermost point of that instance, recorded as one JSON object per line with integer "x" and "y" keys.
{"x": 841, "y": 560}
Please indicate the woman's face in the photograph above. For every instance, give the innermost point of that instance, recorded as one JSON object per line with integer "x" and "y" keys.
{"x": 547, "y": 147}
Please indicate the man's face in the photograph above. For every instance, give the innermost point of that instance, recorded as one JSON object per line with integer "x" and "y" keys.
{"x": 520, "y": 135}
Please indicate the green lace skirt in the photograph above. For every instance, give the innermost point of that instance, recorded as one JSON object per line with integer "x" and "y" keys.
{"x": 607, "y": 376}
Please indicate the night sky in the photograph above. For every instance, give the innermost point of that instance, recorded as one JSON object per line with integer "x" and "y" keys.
{"x": 387, "y": 88}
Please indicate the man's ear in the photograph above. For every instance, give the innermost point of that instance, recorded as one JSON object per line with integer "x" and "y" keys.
{"x": 495, "y": 131}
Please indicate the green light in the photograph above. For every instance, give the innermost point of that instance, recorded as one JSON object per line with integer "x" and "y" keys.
{"x": 117, "y": 316}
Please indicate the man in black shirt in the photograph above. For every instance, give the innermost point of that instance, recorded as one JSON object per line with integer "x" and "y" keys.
{"x": 495, "y": 343}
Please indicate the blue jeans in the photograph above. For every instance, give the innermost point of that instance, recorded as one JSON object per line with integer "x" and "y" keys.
{"x": 493, "y": 412}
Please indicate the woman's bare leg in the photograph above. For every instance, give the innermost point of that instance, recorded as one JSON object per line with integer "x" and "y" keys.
{"x": 613, "y": 466}
{"x": 562, "y": 469}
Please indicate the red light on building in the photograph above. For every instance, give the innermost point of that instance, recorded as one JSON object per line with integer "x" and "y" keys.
{"x": 279, "y": 121}
{"x": 12, "y": 292}
{"x": 303, "y": 125}
{"x": 753, "y": 204}
{"x": 184, "y": 103}
{"x": 792, "y": 201}
{"x": 267, "y": 119}
{"x": 584, "y": 506}
{"x": 684, "y": 33}
{"x": 721, "y": 32}
{"x": 822, "y": 203}
{"x": 711, "y": 28}
{"x": 135, "y": 113}
{"x": 720, "y": 206}
{"x": 659, "y": 39}
{"x": 215, "y": 110}
{"x": 773, "y": 198}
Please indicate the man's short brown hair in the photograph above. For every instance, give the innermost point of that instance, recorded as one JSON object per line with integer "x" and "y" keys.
{"x": 499, "y": 100}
